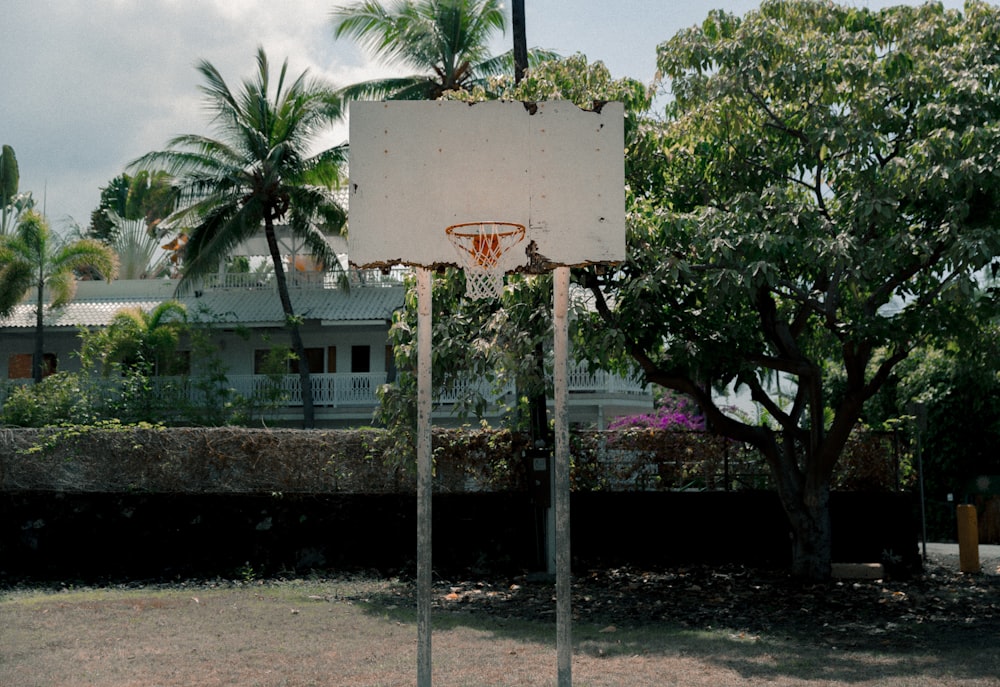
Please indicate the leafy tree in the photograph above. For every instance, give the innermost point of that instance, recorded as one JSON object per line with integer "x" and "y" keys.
{"x": 821, "y": 195}
{"x": 33, "y": 260}
{"x": 256, "y": 174}
{"x": 446, "y": 41}
{"x": 957, "y": 387}
{"x": 114, "y": 199}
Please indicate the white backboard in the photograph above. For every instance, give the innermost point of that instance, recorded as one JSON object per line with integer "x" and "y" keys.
{"x": 418, "y": 167}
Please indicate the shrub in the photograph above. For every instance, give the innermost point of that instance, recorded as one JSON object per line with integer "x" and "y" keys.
{"x": 59, "y": 399}
{"x": 674, "y": 412}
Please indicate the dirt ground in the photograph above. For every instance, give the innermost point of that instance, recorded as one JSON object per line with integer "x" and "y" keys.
{"x": 683, "y": 626}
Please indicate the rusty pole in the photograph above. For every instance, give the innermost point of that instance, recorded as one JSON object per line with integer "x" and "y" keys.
{"x": 424, "y": 473}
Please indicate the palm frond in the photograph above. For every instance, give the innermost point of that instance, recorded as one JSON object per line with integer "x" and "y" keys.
{"x": 62, "y": 288}
{"x": 139, "y": 252}
{"x": 16, "y": 277}
{"x": 446, "y": 42}
{"x": 374, "y": 26}
{"x": 86, "y": 254}
{"x": 390, "y": 89}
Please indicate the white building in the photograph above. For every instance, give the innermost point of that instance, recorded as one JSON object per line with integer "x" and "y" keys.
{"x": 345, "y": 333}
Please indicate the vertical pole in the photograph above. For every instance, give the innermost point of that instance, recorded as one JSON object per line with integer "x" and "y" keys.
{"x": 923, "y": 500}
{"x": 920, "y": 412}
{"x": 560, "y": 317}
{"x": 424, "y": 473}
{"x": 968, "y": 539}
{"x": 520, "y": 40}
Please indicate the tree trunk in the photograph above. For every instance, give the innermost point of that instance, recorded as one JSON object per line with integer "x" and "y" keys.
{"x": 805, "y": 497}
{"x": 308, "y": 412}
{"x": 538, "y": 405}
{"x": 520, "y": 40}
{"x": 37, "y": 359}
{"x": 812, "y": 542}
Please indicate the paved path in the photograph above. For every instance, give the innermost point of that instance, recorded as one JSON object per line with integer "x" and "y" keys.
{"x": 946, "y": 555}
{"x": 939, "y": 549}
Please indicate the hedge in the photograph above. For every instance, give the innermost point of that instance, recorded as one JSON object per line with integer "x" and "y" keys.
{"x": 152, "y": 459}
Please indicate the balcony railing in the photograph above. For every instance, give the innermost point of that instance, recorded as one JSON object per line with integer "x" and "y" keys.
{"x": 329, "y": 390}
{"x": 305, "y": 279}
{"x": 340, "y": 390}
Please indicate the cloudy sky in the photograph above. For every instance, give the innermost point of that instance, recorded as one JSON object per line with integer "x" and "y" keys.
{"x": 86, "y": 86}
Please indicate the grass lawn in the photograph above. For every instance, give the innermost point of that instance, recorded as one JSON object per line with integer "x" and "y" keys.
{"x": 362, "y": 632}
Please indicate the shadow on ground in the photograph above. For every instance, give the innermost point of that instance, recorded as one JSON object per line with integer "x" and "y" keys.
{"x": 759, "y": 624}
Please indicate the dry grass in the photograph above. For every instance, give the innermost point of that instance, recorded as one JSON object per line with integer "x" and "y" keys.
{"x": 349, "y": 632}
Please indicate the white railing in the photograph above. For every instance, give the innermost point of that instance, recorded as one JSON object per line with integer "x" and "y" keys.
{"x": 306, "y": 280}
{"x": 328, "y": 390}
{"x": 340, "y": 389}
{"x": 462, "y": 388}
{"x": 582, "y": 380}
{"x": 251, "y": 280}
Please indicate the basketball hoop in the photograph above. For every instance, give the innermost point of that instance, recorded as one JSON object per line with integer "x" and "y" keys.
{"x": 480, "y": 247}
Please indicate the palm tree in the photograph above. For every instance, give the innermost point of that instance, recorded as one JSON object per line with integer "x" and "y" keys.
{"x": 33, "y": 259}
{"x": 446, "y": 41}
{"x": 255, "y": 174}
{"x": 139, "y": 253}
{"x": 139, "y": 340}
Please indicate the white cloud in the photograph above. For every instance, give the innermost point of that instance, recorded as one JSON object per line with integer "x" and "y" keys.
{"x": 89, "y": 85}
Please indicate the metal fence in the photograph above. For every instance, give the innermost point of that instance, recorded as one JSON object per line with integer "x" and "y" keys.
{"x": 681, "y": 460}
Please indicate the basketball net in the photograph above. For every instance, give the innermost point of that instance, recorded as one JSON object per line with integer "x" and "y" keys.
{"x": 480, "y": 247}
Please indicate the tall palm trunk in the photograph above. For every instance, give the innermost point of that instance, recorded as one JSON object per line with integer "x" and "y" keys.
{"x": 308, "y": 412}
{"x": 36, "y": 358}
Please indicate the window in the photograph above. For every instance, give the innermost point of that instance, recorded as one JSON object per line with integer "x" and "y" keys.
{"x": 361, "y": 359}
{"x": 331, "y": 359}
{"x": 19, "y": 365}
{"x": 314, "y": 356}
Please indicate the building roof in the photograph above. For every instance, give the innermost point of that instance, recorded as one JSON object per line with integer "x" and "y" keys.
{"x": 330, "y": 306}
{"x": 97, "y": 303}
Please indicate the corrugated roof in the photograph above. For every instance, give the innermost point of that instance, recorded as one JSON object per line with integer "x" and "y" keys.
{"x": 75, "y": 314}
{"x": 244, "y": 306}
{"x": 261, "y": 306}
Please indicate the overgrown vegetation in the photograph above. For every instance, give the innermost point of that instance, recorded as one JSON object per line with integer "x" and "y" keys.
{"x": 130, "y": 372}
{"x": 114, "y": 457}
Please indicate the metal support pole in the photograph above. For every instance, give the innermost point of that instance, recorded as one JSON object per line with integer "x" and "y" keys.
{"x": 919, "y": 413}
{"x": 424, "y": 474}
{"x": 923, "y": 500}
{"x": 564, "y": 618}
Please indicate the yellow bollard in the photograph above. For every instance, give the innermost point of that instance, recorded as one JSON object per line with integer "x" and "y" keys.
{"x": 968, "y": 539}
